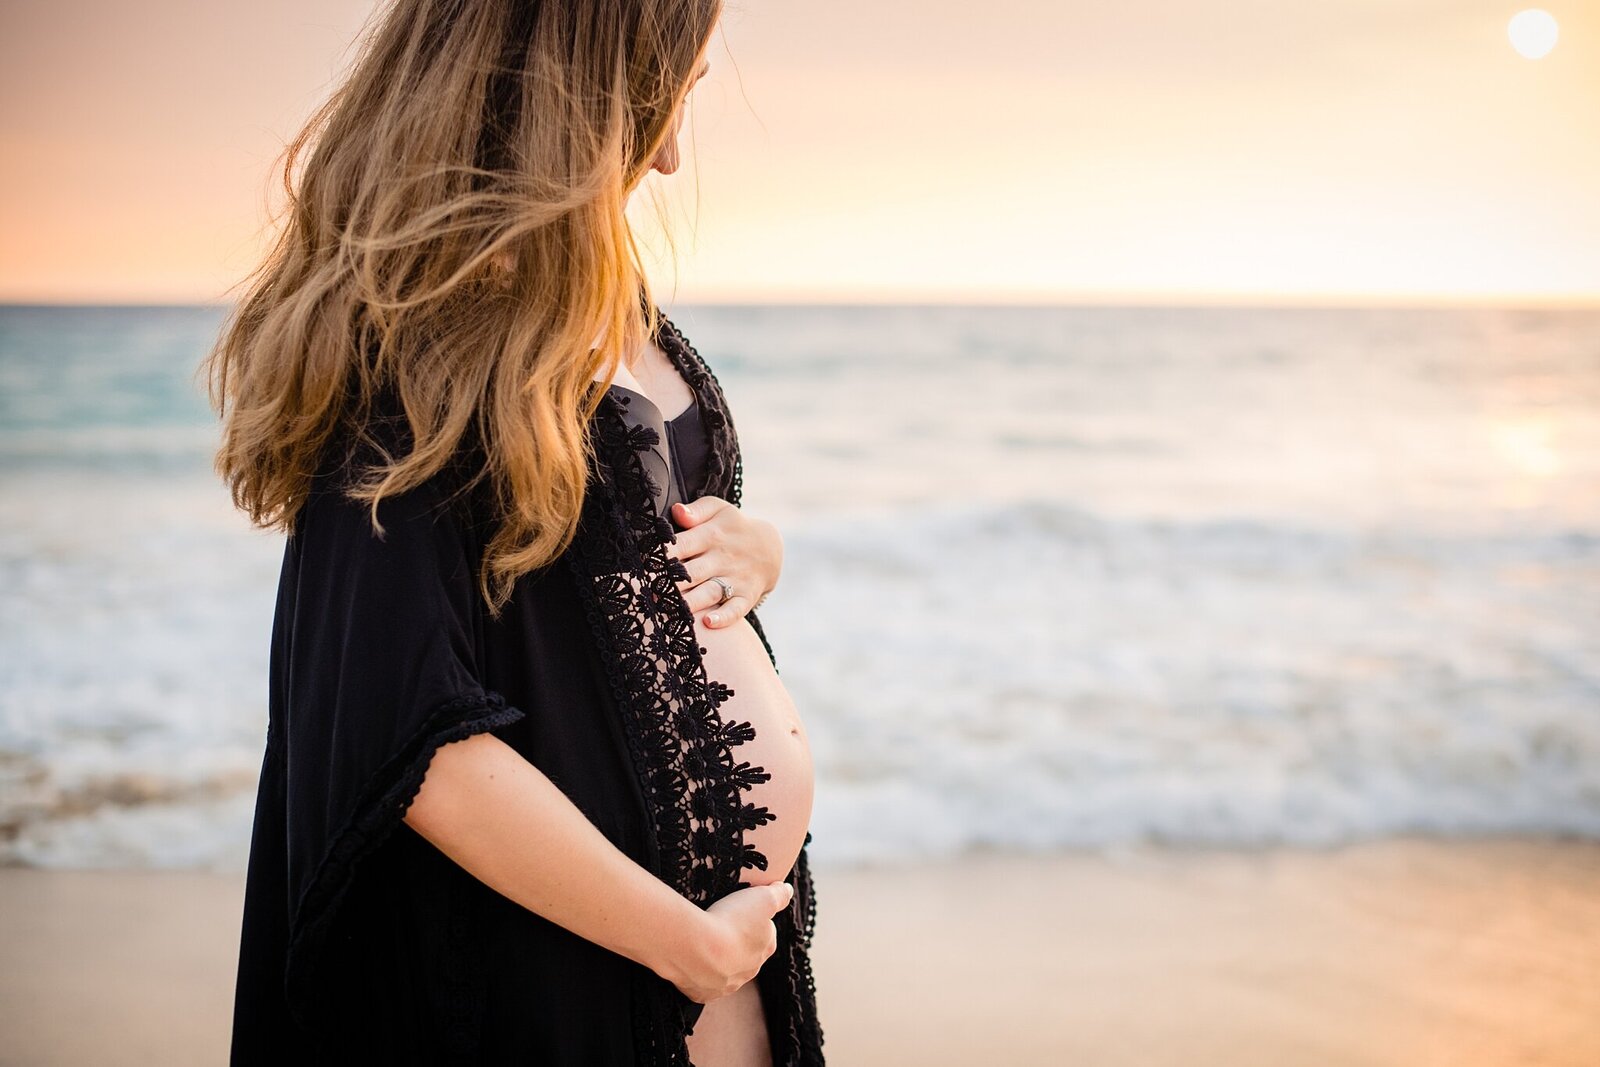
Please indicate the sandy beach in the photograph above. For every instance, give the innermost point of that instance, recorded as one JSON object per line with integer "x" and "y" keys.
{"x": 1398, "y": 953}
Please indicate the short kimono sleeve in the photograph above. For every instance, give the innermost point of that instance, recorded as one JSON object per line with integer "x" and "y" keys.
{"x": 377, "y": 655}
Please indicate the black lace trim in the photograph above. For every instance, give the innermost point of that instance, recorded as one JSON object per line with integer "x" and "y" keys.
{"x": 680, "y": 745}
{"x": 788, "y": 978}
{"x": 384, "y": 803}
{"x": 788, "y": 987}
{"x": 725, "y": 463}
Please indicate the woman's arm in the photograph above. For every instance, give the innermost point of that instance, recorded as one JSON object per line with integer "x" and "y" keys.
{"x": 503, "y": 820}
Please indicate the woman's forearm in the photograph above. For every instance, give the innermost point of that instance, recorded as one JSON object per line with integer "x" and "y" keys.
{"x": 503, "y": 820}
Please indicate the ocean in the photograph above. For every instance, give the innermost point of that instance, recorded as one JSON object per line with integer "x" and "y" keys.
{"x": 1055, "y": 578}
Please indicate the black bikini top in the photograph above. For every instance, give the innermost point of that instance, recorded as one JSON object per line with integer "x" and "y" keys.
{"x": 677, "y": 466}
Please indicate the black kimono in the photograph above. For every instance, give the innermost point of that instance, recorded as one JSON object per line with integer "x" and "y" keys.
{"x": 361, "y": 941}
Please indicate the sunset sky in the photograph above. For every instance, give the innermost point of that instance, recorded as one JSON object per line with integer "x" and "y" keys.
{"x": 1037, "y": 150}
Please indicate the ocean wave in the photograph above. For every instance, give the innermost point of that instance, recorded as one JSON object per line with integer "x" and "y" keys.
{"x": 1031, "y": 676}
{"x": 1054, "y": 578}
{"x": 1037, "y": 676}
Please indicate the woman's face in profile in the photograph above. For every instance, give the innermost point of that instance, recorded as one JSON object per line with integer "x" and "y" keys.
{"x": 666, "y": 160}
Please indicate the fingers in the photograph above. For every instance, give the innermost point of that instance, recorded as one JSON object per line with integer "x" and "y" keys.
{"x": 729, "y": 611}
{"x": 703, "y": 595}
{"x": 698, "y": 540}
{"x": 782, "y": 893}
{"x": 684, "y": 514}
{"x": 699, "y": 510}
{"x": 708, "y": 549}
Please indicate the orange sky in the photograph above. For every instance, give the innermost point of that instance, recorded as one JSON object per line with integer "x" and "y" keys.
{"x": 1343, "y": 150}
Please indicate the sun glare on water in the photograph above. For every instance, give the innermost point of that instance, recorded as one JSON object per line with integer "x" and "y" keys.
{"x": 1533, "y": 32}
{"x": 1526, "y": 445}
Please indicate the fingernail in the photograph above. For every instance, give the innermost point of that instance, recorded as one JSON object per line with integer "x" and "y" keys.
{"x": 713, "y": 617}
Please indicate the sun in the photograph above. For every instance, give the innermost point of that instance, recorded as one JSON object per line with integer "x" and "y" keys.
{"x": 1533, "y": 32}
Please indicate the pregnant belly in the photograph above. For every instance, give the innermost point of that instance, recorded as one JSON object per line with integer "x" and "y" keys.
{"x": 735, "y": 656}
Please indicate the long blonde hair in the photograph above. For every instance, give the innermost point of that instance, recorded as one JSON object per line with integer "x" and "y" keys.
{"x": 458, "y": 234}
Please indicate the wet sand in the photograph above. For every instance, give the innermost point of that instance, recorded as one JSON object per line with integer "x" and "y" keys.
{"x": 1405, "y": 953}
{"x": 1399, "y": 954}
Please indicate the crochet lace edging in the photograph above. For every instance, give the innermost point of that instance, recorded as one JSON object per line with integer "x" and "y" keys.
{"x": 677, "y": 741}
{"x": 725, "y": 467}
{"x": 805, "y": 1030}
{"x": 681, "y": 744}
{"x": 787, "y": 981}
{"x": 674, "y": 731}
{"x": 384, "y": 801}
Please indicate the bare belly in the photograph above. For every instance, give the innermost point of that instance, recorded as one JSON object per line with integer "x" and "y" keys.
{"x": 735, "y": 656}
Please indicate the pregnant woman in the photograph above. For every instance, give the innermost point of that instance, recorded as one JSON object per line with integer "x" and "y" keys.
{"x": 533, "y": 791}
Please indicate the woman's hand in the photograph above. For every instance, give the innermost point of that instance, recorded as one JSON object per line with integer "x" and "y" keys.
{"x": 735, "y": 939}
{"x": 720, "y": 541}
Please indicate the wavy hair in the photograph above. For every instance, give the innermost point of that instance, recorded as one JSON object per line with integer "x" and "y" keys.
{"x": 458, "y": 235}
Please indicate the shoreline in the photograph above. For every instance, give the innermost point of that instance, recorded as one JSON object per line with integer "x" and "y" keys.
{"x": 1396, "y": 953}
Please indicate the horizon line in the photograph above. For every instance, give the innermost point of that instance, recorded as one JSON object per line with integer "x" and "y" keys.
{"x": 1285, "y": 301}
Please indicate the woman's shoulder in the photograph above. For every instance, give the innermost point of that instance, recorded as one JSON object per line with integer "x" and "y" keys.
{"x": 454, "y": 493}
{"x": 676, "y": 343}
